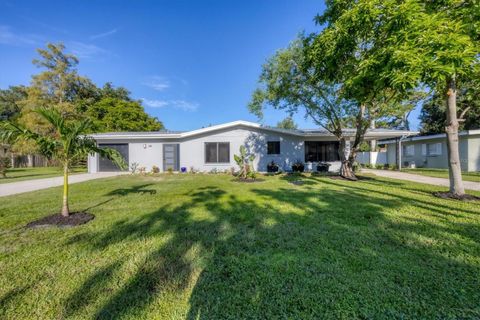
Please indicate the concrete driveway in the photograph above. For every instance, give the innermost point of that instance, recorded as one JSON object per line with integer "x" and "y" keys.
{"x": 470, "y": 185}
{"x": 7, "y": 189}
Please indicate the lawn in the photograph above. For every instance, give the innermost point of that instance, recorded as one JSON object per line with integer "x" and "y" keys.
{"x": 20, "y": 174}
{"x": 205, "y": 247}
{"x": 443, "y": 173}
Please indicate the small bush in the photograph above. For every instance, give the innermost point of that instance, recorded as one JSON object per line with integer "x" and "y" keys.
{"x": 134, "y": 167}
{"x": 155, "y": 169}
{"x": 170, "y": 170}
{"x": 5, "y": 163}
{"x": 142, "y": 170}
{"x": 379, "y": 166}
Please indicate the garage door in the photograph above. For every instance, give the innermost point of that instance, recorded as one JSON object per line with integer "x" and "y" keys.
{"x": 105, "y": 164}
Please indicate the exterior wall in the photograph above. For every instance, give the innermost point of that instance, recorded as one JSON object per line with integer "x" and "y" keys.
{"x": 469, "y": 147}
{"x": 372, "y": 157}
{"x": 192, "y": 151}
{"x": 473, "y": 153}
{"x": 149, "y": 152}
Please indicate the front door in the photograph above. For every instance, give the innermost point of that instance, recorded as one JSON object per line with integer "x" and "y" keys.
{"x": 170, "y": 157}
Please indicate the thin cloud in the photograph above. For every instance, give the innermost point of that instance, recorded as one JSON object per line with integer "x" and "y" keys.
{"x": 157, "y": 83}
{"x": 84, "y": 50}
{"x": 8, "y": 37}
{"x": 177, "y": 104}
{"x": 103, "y": 35}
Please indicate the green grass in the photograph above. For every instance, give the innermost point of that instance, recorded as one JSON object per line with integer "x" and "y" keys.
{"x": 443, "y": 173}
{"x": 204, "y": 247}
{"x": 21, "y": 174}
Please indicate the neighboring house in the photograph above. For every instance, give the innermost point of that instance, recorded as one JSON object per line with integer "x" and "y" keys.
{"x": 212, "y": 148}
{"x": 431, "y": 151}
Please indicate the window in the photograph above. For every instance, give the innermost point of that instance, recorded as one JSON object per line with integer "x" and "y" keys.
{"x": 317, "y": 151}
{"x": 273, "y": 147}
{"x": 434, "y": 149}
{"x": 408, "y": 150}
{"x": 217, "y": 152}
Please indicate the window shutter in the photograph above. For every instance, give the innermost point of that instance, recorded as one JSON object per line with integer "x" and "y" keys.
{"x": 424, "y": 149}
{"x": 439, "y": 148}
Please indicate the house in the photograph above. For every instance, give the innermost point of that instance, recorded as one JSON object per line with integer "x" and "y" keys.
{"x": 430, "y": 151}
{"x": 213, "y": 148}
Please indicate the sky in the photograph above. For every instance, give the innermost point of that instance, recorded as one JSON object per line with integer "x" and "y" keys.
{"x": 192, "y": 63}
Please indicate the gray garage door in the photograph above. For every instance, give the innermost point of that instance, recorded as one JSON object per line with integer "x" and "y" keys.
{"x": 105, "y": 164}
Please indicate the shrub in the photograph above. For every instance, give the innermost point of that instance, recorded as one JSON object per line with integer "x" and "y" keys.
{"x": 155, "y": 169}
{"x": 5, "y": 163}
{"x": 142, "y": 170}
{"x": 298, "y": 166}
{"x": 214, "y": 171}
{"x": 134, "y": 167}
{"x": 272, "y": 167}
{"x": 170, "y": 170}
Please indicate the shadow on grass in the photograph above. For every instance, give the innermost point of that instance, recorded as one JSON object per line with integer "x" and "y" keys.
{"x": 331, "y": 252}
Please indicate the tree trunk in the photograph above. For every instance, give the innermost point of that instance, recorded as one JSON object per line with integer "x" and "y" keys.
{"x": 65, "y": 209}
{"x": 346, "y": 169}
{"x": 455, "y": 170}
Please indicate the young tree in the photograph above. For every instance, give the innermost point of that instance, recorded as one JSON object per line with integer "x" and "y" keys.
{"x": 287, "y": 123}
{"x": 296, "y": 79}
{"x": 67, "y": 145}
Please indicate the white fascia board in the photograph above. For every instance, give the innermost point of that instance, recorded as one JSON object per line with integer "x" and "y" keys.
{"x": 436, "y": 136}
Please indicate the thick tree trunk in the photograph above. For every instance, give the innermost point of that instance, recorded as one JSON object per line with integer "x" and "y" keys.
{"x": 455, "y": 170}
{"x": 346, "y": 169}
{"x": 65, "y": 209}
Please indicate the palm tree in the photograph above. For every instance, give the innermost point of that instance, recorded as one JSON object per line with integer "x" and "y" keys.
{"x": 68, "y": 144}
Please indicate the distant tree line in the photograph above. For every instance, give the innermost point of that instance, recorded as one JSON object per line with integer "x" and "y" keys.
{"x": 59, "y": 87}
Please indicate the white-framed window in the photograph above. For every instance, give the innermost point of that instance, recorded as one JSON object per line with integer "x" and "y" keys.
{"x": 408, "y": 150}
{"x": 434, "y": 149}
{"x": 217, "y": 152}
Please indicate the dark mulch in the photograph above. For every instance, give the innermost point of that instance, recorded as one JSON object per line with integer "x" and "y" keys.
{"x": 75, "y": 219}
{"x": 341, "y": 178}
{"x": 451, "y": 196}
{"x": 297, "y": 182}
{"x": 247, "y": 180}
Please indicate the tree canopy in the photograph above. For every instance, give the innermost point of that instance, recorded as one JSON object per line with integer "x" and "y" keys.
{"x": 287, "y": 123}
{"x": 59, "y": 86}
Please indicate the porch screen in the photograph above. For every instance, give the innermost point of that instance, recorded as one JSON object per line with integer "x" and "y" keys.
{"x": 318, "y": 151}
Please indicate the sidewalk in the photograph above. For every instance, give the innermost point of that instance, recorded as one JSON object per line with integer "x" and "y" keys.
{"x": 470, "y": 185}
{"x": 7, "y": 189}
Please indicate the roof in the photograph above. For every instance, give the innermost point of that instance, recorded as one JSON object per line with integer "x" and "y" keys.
{"x": 433, "y": 136}
{"x": 371, "y": 134}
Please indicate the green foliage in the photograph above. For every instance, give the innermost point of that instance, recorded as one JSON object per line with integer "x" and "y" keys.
{"x": 433, "y": 114}
{"x": 59, "y": 86}
{"x": 287, "y": 123}
{"x": 112, "y": 114}
{"x": 10, "y": 102}
{"x": 245, "y": 162}
{"x": 5, "y": 163}
{"x": 68, "y": 144}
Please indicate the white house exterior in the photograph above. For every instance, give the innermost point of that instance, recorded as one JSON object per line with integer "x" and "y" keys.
{"x": 431, "y": 151}
{"x": 213, "y": 148}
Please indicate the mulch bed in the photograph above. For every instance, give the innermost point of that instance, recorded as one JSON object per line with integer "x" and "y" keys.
{"x": 341, "y": 178}
{"x": 75, "y": 219}
{"x": 297, "y": 182}
{"x": 451, "y": 196}
{"x": 247, "y": 180}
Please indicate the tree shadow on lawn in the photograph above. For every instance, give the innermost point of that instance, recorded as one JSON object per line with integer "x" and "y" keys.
{"x": 291, "y": 254}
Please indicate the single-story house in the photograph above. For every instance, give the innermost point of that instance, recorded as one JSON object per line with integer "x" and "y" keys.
{"x": 430, "y": 151}
{"x": 213, "y": 148}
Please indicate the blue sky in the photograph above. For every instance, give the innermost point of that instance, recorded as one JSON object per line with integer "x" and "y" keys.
{"x": 193, "y": 63}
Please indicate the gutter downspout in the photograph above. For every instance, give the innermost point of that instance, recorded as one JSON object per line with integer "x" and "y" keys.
{"x": 400, "y": 151}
